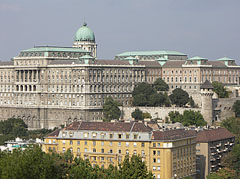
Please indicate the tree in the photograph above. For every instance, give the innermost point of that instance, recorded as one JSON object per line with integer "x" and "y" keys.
{"x": 137, "y": 114}
{"x": 193, "y": 118}
{"x": 134, "y": 168}
{"x": 13, "y": 126}
{"x": 236, "y": 108}
{"x": 175, "y": 116}
{"x": 188, "y": 118}
{"x": 191, "y": 102}
{"x": 160, "y": 85}
{"x": 30, "y": 163}
{"x": 159, "y": 99}
{"x": 224, "y": 173}
{"x": 179, "y": 97}
{"x": 232, "y": 124}
{"x": 219, "y": 88}
{"x": 111, "y": 110}
{"x": 141, "y": 94}
{"x": 146, "y": 115}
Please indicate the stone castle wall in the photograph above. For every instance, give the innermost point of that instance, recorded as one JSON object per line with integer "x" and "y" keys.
{"x": 156, "y": 112}
{"x": 223, "y": 108}
{"x": 49, "y": 118}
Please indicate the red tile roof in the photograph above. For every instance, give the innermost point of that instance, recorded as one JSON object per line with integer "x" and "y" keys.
{"x": 109, "y": 126}
{"x": 213, "y": 135}
{"x": 111, "y": 62}
{"x": 149, "y": 63}
{"x": 174, "y": 63}
{"x": 170, "y": 135}
{"x": 54, "y": 133}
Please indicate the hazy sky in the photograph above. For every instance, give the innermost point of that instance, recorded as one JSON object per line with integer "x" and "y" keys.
{"x": 207, "y": 28}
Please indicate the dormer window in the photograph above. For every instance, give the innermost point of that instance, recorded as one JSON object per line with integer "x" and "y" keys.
{"x": 85, "y": 135}
{"x": 64, "y": 134}
{"x": 94, "y": 135}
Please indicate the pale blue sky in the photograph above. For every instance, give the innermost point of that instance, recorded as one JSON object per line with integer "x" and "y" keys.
{"x": 207, "y": 28}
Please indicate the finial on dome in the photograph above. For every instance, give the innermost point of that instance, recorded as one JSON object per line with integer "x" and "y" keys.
{"x": 84, "y": 24}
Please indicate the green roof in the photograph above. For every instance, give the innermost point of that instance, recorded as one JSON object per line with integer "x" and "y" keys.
{"x": 53, "y": 49}
{"x": 142, "y": 53}
{"x": 197, "y": 58}
{"x": 84, "y": 33}
{"x": 225, "y": 59}
{"x": 86, "y": 57}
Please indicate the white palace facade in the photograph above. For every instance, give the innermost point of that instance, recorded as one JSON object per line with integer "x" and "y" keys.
{"x": 48, "y": 86}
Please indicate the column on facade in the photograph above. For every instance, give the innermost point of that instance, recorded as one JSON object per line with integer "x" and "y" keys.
{"x": 36, "y": 75}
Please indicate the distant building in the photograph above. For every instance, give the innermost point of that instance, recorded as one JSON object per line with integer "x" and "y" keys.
{"x": 49, "y": 86}
{"x": 19, "y": 143}
{"x": 212, "y": 145}
{"x": 168, "y": 154}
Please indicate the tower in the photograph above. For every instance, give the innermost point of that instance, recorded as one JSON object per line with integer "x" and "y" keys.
{"x": 206, "y": 98}
{"x": 85, "y": 39}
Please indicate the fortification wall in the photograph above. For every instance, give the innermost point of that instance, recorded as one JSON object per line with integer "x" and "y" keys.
{"x": 156, "y": 112}
{"x": 223, "y": 108}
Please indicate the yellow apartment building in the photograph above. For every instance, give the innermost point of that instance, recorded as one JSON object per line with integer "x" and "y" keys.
{"x": 168, "y": 154}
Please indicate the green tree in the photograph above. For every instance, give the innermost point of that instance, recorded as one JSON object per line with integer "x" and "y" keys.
{"x": 137, "y": 114}
{"x": 160, "y": 85}
{"x": 13, "y": 126}
{"x": 111, "y": 110}
{"x": 134, "y": 168}
{"x": 224, "y": 173}
{"x": 191, "y": 102}
{"x": 159, "y": 99}
{"x": 188, "y": 118}
{"x": 175, "y": 116}
{"x": 193, "y": 118}
{"x": 141, "y": 94}
{"x": 30, "y": 163}
{"x": 219, "y": 88}
{"x": 232, "y": 124}
{"x": 236, "y": 108}
{"x": 179, "y": 97}
{"x": 147, "y": 115}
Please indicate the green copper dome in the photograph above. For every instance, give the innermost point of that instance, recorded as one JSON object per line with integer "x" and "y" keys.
{"x": 84, "y": 33}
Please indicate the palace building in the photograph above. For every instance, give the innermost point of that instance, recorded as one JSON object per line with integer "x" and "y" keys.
{"x": 48, "y": 86}
{"x": 168, "y": 154}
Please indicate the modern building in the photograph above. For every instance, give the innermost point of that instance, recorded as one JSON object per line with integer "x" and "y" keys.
{"x": 212, "y": 145}
{"x": 19, "y": 143}
{"x": 168, "y": 154}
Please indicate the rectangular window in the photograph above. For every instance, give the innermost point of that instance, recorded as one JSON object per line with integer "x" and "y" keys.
{"x": 111, "y": 136}
{"x": 78, "y": 142}
{"x": 135, "y": 136}
{"x": 94, "y": 143}
{"x": 143, "y": 144}
{"x": 127, "y": 136}
{"x": 127, "y": 144}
